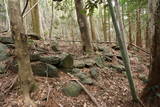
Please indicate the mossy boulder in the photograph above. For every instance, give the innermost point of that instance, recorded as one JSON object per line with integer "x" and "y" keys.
{"x": 72, "y": 89}
{"x": 53, "y": 60}
{"x": 3, "y": 52}
{"x": 94, "y": 73}
{"x": 119, "y": 68}
{"x": 84, "y": 78}
{"x": 44, "y": 70}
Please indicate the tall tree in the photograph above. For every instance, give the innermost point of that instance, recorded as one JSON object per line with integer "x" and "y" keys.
{"x": 124, "y": 52}
{"x": 35, "y": 18}
{"x": 152, "y": 89}
{"x": 83, "y": 26}
{"x": 129, "y": 28}
{"x": 138, "y": 28}
{"x": 93, "y": 33}
{"x": 105, "y": 22}
{"x": 22, "y": 55}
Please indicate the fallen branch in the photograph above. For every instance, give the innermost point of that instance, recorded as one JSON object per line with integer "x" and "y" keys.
{"x": 86, "y": 90}
{"x": 12, "y": 84}
{"x": 31, "y": 8}
{"x": 140, "y": 48}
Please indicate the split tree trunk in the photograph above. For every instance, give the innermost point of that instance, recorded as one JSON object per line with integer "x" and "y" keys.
{"x": 152, "y": 89}
{"x": 22, "y": 55}
{"x": 83, "y": 26}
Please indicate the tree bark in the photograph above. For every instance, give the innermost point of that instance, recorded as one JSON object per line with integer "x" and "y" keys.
{"x": 147, "y": 38}
{"x": 109, "y": 27}
{"x": 124, "y": 52}
{"x": 22, "y": 55}
{"x": 138, "y": 28}
{"x": 93, "y": 33}
{"x": 152, "y": 89}
{"x": 104, "y": 22}
{"x": 129, "y": 29}
{"x": 83, "y": 26}
{"x": 35, "y": 18}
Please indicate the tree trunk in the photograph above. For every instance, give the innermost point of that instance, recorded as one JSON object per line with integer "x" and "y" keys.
{"x": 123, "y": 49}
{"x": 22, "y": 54}
{"x": 83, "y": 26}
{"x": 129, "y": 29}
{"x": 109, "y": 27}
{"x": 147, "y": 36}
{"x": 138, "y": 28}
{"x": 35, "y": 18}
{"x": 152, "y": 89}
{"x": 93, "y": 33}
{"x": 105, "y": 23}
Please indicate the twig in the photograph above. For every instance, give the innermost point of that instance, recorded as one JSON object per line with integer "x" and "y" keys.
{"x": 86, "y": 90}
{"x": 49, "y": 89}
{"x": 31, "y": 8}
{"x": 12, "y": 84}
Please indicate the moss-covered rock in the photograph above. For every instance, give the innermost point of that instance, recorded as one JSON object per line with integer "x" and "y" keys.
{"x": 53, "y": 60}
{"x": 66, "y": 61}
{"x": 45, "y": 70}
{"x": 94, "y": 73}
{"x": 88, "y": 81}
{"x": 3, "y": 52}
{"x": 72, "y": 89}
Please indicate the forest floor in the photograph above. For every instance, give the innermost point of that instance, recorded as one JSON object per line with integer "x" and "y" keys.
{"x": 112, "y": 89}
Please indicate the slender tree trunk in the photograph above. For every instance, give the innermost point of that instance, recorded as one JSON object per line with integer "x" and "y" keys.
{"x": 129, "y": 29}
{"x": 51, "y": 26}
{"x": 105, "y": 22}
{"x": 22, "y": 54}
{"x": 124, "y": 52}
{"x": 138, "y": 28}
{"x": 83, "y": 26}
{"x": 109, "y": 27}
{"x": 152, "y": 89}
{"x": 35, "y": 18}
{"x": 93, "y": 33}
{"x": 147, "y": 40}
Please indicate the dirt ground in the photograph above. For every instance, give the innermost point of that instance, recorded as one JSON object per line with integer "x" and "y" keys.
{"x": 111, "y": 88}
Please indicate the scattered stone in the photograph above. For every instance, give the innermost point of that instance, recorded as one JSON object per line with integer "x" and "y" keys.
{"x": 88, "y": 81}
{"x": 118, "y": 68}
{"x": 89, "y": 63}
{"x": 53, "y": 60}
{"x": 82, "y": 75}
{"x": 84, "y": 78}
{"x": 34, "y": 57}
{"x": 75, "y": 70}
{"x": 66, "y": 61}
{"x": 94, "y": 73}
{"x": 100, "y": 61}
{"x": 6, "y": 40}
{"x": 79, "y": 64}
{"x": 54, "y": 46}
{"x": 3, "y": 52}
{"x": 2, "y": 68}
{"x": 44, "y": 70}
{"x": 72, "y": 89}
